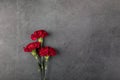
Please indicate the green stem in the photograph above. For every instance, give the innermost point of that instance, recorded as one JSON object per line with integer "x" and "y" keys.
{"x": 41, "y": 59}
{"x": 45, "y": 67}
{"x": 42, "y": 70}
{"x": 40, "y": 67}
{"x": 35, "y": 55}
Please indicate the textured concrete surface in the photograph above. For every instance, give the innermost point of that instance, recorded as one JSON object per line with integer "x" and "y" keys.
{"x": 86, "y": 34}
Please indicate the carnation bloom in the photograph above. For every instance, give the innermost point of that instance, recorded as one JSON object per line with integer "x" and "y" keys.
{"x": 47, "y": 51}
{"x": 39, "y": 34}
{"x": 31, "y": 46}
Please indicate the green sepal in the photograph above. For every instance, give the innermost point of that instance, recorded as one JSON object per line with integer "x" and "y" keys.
{"x": 46, "y": 58}
{"x": 40, "y": 40}
{"x": 34, "y": 53}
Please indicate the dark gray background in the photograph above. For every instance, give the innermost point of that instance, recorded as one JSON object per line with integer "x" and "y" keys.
{"x": 86, "y": 34}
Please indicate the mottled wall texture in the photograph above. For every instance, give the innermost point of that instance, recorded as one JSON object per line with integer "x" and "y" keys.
{"x": 86, "y": 34}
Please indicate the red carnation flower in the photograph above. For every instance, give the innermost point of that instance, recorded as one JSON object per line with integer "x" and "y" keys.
{"x": 47, "y": 51}
{"x": 31, "y": 46}
{"x": 39, "y": 34}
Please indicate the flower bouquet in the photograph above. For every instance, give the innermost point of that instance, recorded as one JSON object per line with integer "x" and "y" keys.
{"x": 40, "y": 52}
